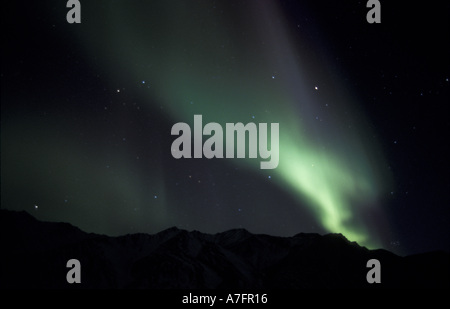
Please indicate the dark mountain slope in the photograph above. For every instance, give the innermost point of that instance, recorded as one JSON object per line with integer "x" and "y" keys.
{"x": 34, "y": 255}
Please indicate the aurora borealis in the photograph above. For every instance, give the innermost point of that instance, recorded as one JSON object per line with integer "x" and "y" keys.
{"x": 87, "y": 111}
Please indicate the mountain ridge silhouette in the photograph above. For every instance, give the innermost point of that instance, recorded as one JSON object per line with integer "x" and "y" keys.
{"x": 35, "y": 253}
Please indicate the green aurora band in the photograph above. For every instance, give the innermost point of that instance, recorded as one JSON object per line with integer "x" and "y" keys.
{"x": 242, "y": 63}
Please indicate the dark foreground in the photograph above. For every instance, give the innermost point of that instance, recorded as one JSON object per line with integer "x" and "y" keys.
{"x": 34, "y": 254}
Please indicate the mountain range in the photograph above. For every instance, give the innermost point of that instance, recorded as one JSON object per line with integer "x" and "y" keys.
{"x": 34, "y": 255}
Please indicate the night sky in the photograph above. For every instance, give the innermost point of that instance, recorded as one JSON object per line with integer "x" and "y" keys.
{"x": 87, "y": 111}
